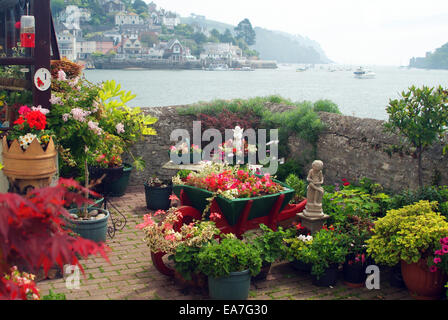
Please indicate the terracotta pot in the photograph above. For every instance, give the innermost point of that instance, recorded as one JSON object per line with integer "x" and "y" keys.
{"x": 32, "y": 168}
{"x": 423, "y": 284}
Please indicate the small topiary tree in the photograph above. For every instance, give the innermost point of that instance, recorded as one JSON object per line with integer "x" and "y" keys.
{"x": 421, "y": 116}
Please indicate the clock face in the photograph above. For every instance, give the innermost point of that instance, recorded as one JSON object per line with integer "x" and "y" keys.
{"x": 42, "y": 79}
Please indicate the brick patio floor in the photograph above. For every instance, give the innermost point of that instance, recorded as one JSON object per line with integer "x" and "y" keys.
{"x": 131, "y": 275}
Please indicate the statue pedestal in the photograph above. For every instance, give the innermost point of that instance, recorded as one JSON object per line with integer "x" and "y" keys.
{"x": 312, "y": 222}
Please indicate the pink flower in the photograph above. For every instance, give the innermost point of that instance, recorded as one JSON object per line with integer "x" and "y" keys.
{"x": 62, "y": 76}
{"x": 437, "y": 260}
{"x": 174, "y": 197}
{"x": 79, "y": 114}
{"x": 65, "y": 117}
{"x": 55, "y": 99}
{"x": 215, "y": 216}
{"x": 120, "y": 128}
{"x": 445, "y": 249}
{"x": 94, "y": 127}
{"x": 170, "y": 237}
{"x": 24, "y": 110}
{"x": 444, "y": 241}
{"x": 158, "y": 212}
{"x": 433, "y": 268}
{"x": 147, "y": 221}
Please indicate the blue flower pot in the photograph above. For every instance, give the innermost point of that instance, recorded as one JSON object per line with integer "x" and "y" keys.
{"x": 233, "y": 287}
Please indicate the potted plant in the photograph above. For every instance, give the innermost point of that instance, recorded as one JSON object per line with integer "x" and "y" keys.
{"x": 294, "y": 250}
{"x": 357, "y": 230}
{"x": 185, "y": 258}
{"x": 409, "y": 236}
{"x": 270, "y": 245}
{"x": 325, "y": 252}
{"x": 29, "y": 154}
{"x": 229, "y": 265}
{"x": 193, "y": 153}
{"x": 157, "y": 193}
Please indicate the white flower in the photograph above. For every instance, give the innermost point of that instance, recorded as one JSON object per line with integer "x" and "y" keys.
{"x": 55, "y": 99}
{"x": 79, "y": 114}
{"x": 39, "y": 108}
{"x": 65, "y": 117}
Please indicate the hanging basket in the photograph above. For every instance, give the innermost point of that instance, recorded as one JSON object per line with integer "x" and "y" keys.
{"x": 33, "y": 167}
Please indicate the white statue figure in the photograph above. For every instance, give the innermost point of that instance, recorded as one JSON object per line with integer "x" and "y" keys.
{"x": 238, "y": 139}
{"x": 315, "y": 190}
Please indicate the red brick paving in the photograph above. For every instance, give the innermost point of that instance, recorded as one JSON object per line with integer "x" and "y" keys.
{"x": 131, "y": 275}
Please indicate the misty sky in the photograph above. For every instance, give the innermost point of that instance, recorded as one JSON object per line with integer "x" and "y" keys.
{"x": 379, "y": 32}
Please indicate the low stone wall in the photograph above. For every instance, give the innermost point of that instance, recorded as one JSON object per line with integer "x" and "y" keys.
{"x": 350, "y": 148}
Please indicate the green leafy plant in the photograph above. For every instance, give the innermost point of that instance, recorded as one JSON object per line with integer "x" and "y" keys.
{"x": 326, "y": 248}
{"x": 298, "y": 185}
{"x": 220, "y": 258}
{"x": 270, "y": 243}
{"x": 186, "y": 254}
{"x": 421, "y": 117}
{"x": 326, "y": 106}
{"x": 54, "y": 296}
{"x": 410, "y": 233}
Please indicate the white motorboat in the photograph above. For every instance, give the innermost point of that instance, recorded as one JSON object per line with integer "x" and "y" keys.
{"x": 362, "y": 73}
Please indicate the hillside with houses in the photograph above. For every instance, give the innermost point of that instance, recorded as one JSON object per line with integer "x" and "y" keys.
{"x": 117, "y": 34}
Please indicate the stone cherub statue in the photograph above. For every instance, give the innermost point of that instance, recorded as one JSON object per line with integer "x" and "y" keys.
{"x": 315, "y": 190}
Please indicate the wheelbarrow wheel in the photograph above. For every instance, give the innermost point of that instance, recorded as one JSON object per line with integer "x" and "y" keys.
{"x": 189, "y": 214}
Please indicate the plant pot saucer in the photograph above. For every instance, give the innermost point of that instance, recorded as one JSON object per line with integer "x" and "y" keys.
{"x": 354, "y": 285}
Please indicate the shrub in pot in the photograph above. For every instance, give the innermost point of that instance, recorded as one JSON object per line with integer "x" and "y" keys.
{"x": 229, "y": 265}
{"x": 90, "y": 223}
{"x": 409, "y": 236}
{"x": 357, "y": 230}
{"x": 325, "y": 252}
{"x": 185, "y": 257}
{"x": 271, "y": 247}
{"x": 293, "y": 247}
{"x": 157, "y": 194}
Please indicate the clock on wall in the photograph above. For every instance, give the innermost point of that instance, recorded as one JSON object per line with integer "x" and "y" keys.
{"x": 42, "y": 79}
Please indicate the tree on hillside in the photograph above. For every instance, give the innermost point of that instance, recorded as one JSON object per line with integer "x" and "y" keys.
{"x": 421, "y": 116}
{"x": 227, "y": 37}
{"x": 245, "y": 31}
{"x": 57, "y": 6}
{"x": 149, "y": 38}
{"x": 140, "y": 6}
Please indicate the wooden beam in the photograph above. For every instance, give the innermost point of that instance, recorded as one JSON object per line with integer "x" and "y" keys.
{"x": 17, "y": 61}
{"x": 42, "y": 52}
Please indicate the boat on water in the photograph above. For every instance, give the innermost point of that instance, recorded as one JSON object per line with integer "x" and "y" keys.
{"x": 301, "y": 69}
{"x": 218, "y": 67}
{"x": 362, "y": 73}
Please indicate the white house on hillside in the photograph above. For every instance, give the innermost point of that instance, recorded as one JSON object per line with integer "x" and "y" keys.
{"x": 127, "y": 18}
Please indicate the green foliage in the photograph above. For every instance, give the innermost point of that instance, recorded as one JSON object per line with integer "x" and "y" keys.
{"x": 352, "y": 201}
{"x": 300, "y": 120}
{"x": 421, "y": 117}
{"x": 270, "y": 243}
{"x": 409, "y": 233}
{"x": 326, "y": 248}
{"x": 245, "y": 31}
{"x": 183, "y": 174}
{"x": 218, "y": 259}
{"x": 326, "y": 106}
{"x": 54, "y": 296}
{"x": 431, "y": 194}
{"x": 298, "y": 185}
{"x": 186, "y": 260}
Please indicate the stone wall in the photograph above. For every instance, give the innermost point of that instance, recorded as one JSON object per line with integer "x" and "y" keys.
{"x": 350, "y": 147}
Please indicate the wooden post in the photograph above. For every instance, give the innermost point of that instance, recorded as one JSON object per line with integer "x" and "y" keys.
{"x": 42, "y": 53}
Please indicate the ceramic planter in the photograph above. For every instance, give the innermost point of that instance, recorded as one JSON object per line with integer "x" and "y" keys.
{"x": 328, "y": 278}
{"x": 264, "y": 271}
{"x": 111, "y": 175}
{"x": 301, "y": 266}
{"x": 95, "y": 230}
{"x": 233, "y": 287}
{"x": 118, "y": 188}
{"x": 158, "y": 198}
{"x": 354, "y": 274}
{"x": 30, "y": 168}
{"x": 423, "y": 284}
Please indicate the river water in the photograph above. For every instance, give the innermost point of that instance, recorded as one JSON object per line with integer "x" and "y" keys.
{"x": 365, "y": 98}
